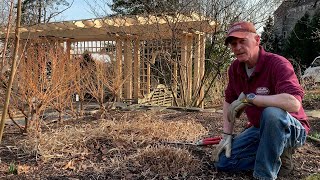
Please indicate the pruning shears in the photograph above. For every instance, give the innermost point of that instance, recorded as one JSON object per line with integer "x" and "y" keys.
{"x": 209, "y": 141}
{"x": 202, "y": 142}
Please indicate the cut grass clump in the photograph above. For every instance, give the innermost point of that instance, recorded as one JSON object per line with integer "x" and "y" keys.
{"x": 165, "y": 161}
{"x": 116, "y": 136}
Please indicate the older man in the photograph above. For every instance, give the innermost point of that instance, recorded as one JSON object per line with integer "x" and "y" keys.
{"x": 265, "y": 86}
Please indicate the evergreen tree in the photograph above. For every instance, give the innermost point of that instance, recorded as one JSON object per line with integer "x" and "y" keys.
{"x": 297, "y": 45}
{"x": 41, "y": 11}
{"x": 134, "y": 7}
{"x": 125, "y": 7}
{"x": 315, "y": 37}
{"x": 268, "y": 40}
{"x": 276, "y": 44}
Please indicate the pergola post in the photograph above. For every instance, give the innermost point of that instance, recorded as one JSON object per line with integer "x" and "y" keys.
{"x": 68, "y": 49}
{"x": 148, "y": 83}
{"x": 127, "y": 68}
{"x": 118, "y": 69}
{"x": 175, "y": 77}
{"x": 136, "y": 74}
{"x": 183, "y": 67}
{"x": 202, "y": 66}
{"x": 196, "y": 66}
{"x": 189, "y": 68}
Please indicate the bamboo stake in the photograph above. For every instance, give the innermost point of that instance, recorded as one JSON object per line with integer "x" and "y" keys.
{"x": 13, "y": 69}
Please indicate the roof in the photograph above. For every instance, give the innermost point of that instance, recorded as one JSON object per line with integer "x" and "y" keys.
{"x": 109, "y": 28}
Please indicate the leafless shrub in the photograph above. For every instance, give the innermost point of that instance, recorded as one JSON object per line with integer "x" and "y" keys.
{"x": 79, "y": 88}
{"x": 63, "y": 71}
{"x": 42, "y": 81}
{"x": 100, "y": 81}
{"x": 215, "y": 96}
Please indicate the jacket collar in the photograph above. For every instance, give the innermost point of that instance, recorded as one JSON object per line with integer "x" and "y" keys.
{"x": 260, "y": 64}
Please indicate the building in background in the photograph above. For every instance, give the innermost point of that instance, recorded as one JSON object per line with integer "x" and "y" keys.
{"x": 289, "y": 12}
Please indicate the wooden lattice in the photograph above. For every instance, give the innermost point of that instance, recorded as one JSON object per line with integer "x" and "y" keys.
{"x": 160, "y": 96}
{"x": 157, "y": 64}
{"x": 94, "y": 47}
{"x": 144, "y": 64}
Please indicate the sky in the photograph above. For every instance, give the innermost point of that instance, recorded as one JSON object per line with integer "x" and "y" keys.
{"x": 80, "y": 10}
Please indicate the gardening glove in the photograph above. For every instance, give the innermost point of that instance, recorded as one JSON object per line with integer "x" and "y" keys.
{"x": 237, "y": 107}
{"x": 225, "y": 144}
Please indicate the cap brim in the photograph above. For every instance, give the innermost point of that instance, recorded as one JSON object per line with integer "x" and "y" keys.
{"x": 235, "y": 34}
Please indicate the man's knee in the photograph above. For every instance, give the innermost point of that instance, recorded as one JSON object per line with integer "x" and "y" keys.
{"x": 273, "y": 116}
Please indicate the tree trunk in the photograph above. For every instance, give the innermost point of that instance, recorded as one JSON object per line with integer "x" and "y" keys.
{"x": 39, "y": 11}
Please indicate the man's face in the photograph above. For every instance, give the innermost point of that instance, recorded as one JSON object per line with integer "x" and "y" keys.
{"x": 246, "y": 49}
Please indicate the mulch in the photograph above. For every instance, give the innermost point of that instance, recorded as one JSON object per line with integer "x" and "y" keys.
{"x": 114, "y": 156}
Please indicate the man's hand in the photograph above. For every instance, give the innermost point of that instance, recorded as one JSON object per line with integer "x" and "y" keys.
{"x": 237, "y": 107}
{"x": 225, "y": 144}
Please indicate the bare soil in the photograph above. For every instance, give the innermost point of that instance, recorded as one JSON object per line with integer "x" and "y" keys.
{"x": 149, "y": 158}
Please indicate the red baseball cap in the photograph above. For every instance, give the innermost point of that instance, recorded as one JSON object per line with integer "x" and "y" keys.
{"x": 239, "y": 30}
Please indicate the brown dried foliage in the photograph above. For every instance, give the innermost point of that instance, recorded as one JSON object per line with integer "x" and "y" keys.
{"x": 80, "y": 140}
{"x": 165, "y": 161}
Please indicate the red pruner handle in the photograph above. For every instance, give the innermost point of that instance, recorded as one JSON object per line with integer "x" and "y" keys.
{"x": 209, "y": 141}
{"x": 213, "y": 138}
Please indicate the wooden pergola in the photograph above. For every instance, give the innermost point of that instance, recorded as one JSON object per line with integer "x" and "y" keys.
{"x": 131, "y": 41}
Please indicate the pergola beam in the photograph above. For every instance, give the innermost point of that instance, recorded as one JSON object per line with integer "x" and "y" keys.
{"x": 144, "y": 26}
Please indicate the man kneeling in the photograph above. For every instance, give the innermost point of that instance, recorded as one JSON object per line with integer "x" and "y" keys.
{"x": 265, "y": 86}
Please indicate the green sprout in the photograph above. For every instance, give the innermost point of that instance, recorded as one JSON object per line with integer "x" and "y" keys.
{"x": 315, "y": 135}
{"x": 13, "y": 169}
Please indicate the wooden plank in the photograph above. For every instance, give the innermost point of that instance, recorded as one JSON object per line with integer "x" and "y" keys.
{"x": 118, "y": 68}
{"x": 160, "y": 96}
{"x": 68, "y": 49}
{"x": 189, "y": 68}
{"x": 175, "y": 78}
{"x": 136, "y": 75}
{"x": 148, "y": 69}
{"x": 202, "y": 66}
{"x": 127, "y": 68}
{"x": 196, "y": 65}
{"x": 183, "y": 67}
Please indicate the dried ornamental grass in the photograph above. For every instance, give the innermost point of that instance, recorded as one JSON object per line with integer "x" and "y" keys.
{"x": 64, "y": 142}
{"x": 147, "y": 127}
{"x": 165, "y": 161}
{"x": 71, "y": 141}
